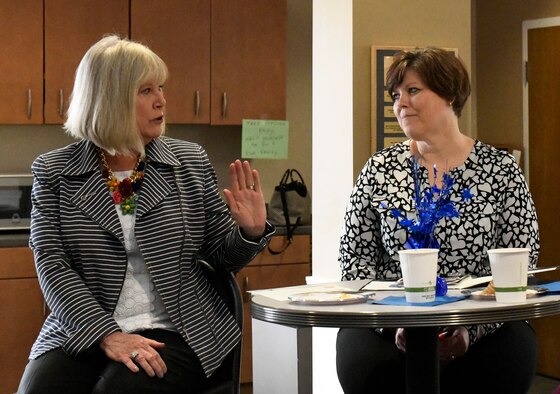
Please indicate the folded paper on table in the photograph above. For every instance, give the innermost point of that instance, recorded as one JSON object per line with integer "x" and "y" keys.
{"x": 401, "y": 300}
{"x": 542, "y": 269}
{"x": 470, "y": 281}
{"x": 459, "y": 283}
{"x": 465, "y": 283}
{"x": 379, "y": 285}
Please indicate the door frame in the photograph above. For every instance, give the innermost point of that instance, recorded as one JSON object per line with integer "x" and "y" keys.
{"x": 527, "y": 25}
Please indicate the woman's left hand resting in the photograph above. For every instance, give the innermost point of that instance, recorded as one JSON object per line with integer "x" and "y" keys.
{"x": 453, "y": 342}
{"x": 135, "y": 351}
{"x": 245, "y": 199}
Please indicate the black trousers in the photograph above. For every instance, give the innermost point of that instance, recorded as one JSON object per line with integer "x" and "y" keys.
{"x": 503, "y": 362}
{"x": 55, "y": 372}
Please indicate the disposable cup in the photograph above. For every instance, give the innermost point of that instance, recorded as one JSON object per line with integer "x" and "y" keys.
{"x": 419, "y": 271}
{"x": 509, "y": 273}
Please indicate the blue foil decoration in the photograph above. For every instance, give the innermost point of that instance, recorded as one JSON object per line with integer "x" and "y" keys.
{"x": 431, "y": 207}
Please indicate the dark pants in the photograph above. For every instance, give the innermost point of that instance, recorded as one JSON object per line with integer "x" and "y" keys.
{"x": 93, "y": 373}
{"x": 503, "y": 362}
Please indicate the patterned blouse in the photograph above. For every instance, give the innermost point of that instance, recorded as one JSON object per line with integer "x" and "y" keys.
{"x": 501, "y": 214}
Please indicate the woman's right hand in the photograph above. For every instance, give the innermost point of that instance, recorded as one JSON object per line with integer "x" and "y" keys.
{"x": 122, "y": 347}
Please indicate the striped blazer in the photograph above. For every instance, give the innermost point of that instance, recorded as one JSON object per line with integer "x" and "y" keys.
{"x": 78, "y": 244}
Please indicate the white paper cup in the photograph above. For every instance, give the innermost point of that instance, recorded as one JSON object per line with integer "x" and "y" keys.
{"x": 419, "y": 271}
{"x": 509, "y": 273}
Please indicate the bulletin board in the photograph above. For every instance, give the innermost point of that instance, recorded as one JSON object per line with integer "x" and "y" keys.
{"x": 385, "y": 129}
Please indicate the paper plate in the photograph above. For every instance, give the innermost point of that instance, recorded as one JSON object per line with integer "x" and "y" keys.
{"x": 329, "y": 298}
{"x": 478, "y": 295}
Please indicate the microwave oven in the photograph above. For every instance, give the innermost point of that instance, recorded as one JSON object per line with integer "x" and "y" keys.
{"x": 15, "y": 202}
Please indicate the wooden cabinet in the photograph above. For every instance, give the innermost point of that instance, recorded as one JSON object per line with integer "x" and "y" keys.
{"x": 248, "y": 60}
{"x": 21, "y": 63}
{"x": 22, "y": 312}
{"x": 226, "y": 58}
{"x": 179, "y": 32}
{"x": 71, "y": 27}
{"x": 269, "y": 271}
{"x": 65, "y": 31}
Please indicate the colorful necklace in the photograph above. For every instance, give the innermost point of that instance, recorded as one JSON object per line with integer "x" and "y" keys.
{"x": 124, "y": 192}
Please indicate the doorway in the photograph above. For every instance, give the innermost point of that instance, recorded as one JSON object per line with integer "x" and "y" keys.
{"x": 541, "y": 134}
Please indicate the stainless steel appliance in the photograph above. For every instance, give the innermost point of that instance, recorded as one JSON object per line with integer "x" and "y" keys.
{"x": 15, "y": 202}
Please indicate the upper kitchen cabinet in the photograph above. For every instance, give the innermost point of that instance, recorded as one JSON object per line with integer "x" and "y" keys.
{"x": 248, "y": 60}
{"x": 21, "y": 63}
{"x": 226, "y": 58}
{"x": 179, "y": 32}
{"x": 71, "y": 27}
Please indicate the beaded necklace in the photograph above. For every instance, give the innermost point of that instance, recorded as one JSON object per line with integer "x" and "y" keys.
{"x": 124, "y": 192}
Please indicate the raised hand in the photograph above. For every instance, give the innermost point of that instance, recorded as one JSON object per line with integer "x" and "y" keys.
{"x": 245, "y": 199}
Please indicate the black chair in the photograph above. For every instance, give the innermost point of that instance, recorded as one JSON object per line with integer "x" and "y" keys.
{"x": 228, "y": 382}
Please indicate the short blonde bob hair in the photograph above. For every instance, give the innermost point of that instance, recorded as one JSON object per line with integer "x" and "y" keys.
{"x": 103, "y": 101}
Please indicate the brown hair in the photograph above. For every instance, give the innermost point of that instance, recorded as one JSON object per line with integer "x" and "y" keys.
{"x": 443, "y": 72}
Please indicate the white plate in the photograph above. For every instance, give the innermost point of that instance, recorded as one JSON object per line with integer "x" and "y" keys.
{"x": 329, "y": 298}
{"x": 478, "y": 295}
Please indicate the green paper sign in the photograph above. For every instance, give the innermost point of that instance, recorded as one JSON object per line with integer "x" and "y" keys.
{"x": 264, "y": 139}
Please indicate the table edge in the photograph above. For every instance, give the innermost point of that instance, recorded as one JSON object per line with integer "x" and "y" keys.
{"x": 317, "y": 317}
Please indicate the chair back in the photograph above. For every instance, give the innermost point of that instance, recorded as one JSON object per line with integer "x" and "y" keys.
{"x": 228, "y": 289}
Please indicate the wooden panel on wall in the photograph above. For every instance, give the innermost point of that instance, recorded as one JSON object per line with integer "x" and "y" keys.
{"x": 179, "y": 32}
{"x": 71, "y": 27}
{"x": 21, "y": 63}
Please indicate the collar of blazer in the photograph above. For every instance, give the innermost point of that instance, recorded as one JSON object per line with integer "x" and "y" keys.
{"x": 85, "y": 159}
{"x": 91, "y": 194}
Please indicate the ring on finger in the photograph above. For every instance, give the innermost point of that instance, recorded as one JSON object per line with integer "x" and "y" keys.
{"x": 251, "y": 187}
{"x": 133, "y": 355}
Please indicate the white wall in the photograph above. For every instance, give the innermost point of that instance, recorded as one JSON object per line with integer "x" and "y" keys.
{"x": 298, "y": 101}
{"x": 332, "y": 161}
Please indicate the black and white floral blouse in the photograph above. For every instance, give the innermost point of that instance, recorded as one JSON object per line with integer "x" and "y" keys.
{"x": 501, "y": 214}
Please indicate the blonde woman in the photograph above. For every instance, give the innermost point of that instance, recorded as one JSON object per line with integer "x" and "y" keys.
{"x": 119, "y": 220}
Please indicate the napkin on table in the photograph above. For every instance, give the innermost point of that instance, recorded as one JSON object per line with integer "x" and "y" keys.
{"x": 401, "y": 300}
{"x": 553, "y": 287}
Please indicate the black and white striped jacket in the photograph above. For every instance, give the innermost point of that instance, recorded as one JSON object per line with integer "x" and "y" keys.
{"x": 81, "y": 261}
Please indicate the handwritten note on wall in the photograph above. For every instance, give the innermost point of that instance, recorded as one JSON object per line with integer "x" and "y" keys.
{"x": 264, "y": 139}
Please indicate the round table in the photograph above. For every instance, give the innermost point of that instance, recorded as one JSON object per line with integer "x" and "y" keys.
{"x": 422, "y": 322}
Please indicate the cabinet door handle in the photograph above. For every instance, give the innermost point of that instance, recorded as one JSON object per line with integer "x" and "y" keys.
{"x": 224, "y": 105}
{"x": 61, "y": 106}
{"x": 29, "y": 106}
{"x": 246, "y": 289}
{"x": 197, "y": 106}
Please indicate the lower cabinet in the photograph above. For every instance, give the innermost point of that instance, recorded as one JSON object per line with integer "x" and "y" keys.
{"x": 22, "y": 312}
{"x": 288, "y": 268}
